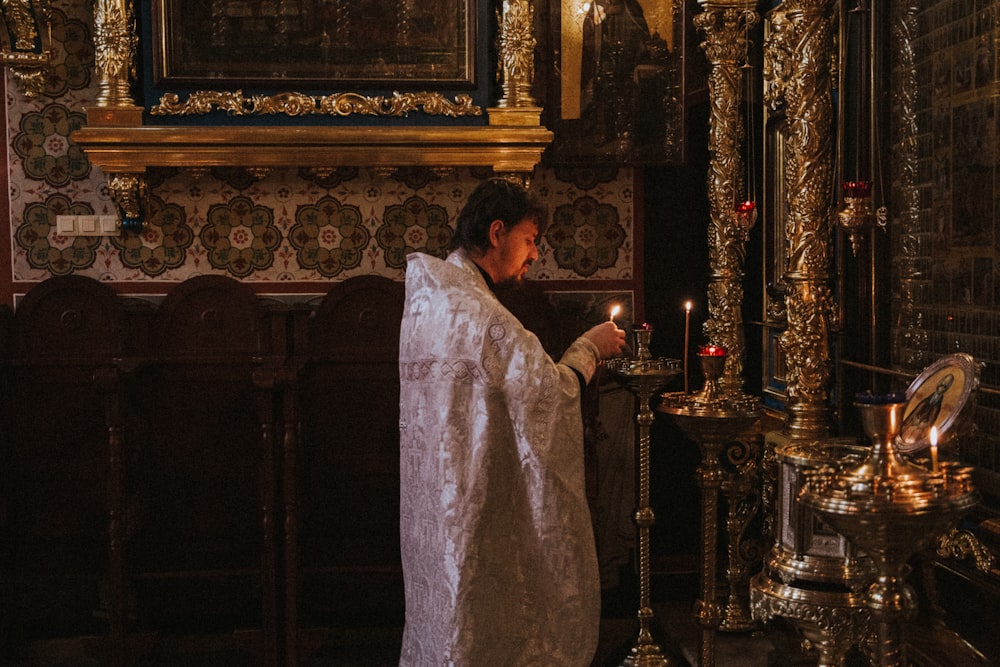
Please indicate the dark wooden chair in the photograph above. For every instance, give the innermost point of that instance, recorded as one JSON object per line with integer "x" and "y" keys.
{"x": 341, "y": 466}
{"x": 203, "y": 554}
{"x": 61, "y": 524}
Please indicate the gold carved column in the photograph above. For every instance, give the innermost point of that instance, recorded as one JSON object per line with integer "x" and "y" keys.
{"x": 516, "y": 65}
{"x": 115, "y": 45}
{"x": 725, "y": 24}
{"x": 801, "y": 51}
{"x": 911, "y": 345}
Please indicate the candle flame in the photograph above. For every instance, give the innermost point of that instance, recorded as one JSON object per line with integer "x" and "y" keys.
{"x": 687, "y": 306}
{"x": 934, "y": 436}
{"x": 614, "y": 311}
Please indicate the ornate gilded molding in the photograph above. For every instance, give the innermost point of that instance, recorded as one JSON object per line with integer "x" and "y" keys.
{"x": 912, "y": 340}
{"x": 115, "y": 42}
{"x": 777, "y": 60}
{"x": 725, "y": 26}
{"x": 299, "y": 104}
{"x": 27, "y": 53}
{"x": 116, "y": 140}
{"x": 128, "y": 192}
{"x": 830, "y": 621}
{"x": 807, "y": 37}
{"x": 516, "y": 51}
{"x": 961, "y": 544}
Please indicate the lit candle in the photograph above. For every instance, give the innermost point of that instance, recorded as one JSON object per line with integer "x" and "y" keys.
{"x": 615, "y": 309}
{"x": 712, "y": 351}
{"x": 687, "y": 336}
{"x": 934, "y": 453}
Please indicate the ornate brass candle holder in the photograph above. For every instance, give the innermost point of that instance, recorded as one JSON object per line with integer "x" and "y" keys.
{"x": 711, "y": 419}
{"x": 813, "y": 577}
{"x": 643, "y": 376}
{"x": 889, "y": 508}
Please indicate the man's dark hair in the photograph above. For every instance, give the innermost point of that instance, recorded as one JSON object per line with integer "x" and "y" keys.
{"x": 494, "y": 199}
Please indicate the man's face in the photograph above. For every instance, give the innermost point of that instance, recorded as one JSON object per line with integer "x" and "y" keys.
{"x": 516, "y": 251}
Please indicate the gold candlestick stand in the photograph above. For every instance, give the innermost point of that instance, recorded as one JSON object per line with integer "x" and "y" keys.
{"x": 890, "y": 508}
{"x": 711, "y": 419}
{"x": 643, "y": 376}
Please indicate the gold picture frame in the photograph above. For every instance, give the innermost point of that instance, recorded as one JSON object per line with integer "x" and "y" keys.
{"x": 312, "y": 44}
{"x": 615, "y": 81}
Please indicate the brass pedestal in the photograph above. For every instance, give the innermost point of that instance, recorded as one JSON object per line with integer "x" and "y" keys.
{"x": 890, "y": 509}
{"x": 710, "y": 419}
{"x": 643, "y": 377}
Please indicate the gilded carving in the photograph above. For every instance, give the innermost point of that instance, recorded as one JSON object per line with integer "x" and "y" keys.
{"x": 777, "y": 60}
{"x": 725, "y": 29}
{"x": 912, "y": 338}
{"x": 115, "y": 44}
{"x": 807, "y": 96}
{"x": 516, "y": 51}
{"x": 961, "y": 544}
{"x": 23, "y": 21}
{"x": 235, "y": 103}
{"x": 830, "y": 622}
{"x": 128, "y": 192}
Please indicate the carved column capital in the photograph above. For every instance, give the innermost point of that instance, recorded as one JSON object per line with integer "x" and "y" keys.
{"x": 516, "y": 51}
{"x": 115, "y": 43}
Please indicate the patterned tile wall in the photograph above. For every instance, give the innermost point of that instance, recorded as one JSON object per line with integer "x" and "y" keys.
{"x": 958, "y": 243}
{"x": 289, "y": 226}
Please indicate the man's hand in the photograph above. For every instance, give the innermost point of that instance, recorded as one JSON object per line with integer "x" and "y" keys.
{"x": 608, "y": 338}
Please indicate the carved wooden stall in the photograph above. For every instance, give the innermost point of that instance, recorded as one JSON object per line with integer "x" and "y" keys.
{"x": 341, "y": 463}
{"x": 216, "y": 467}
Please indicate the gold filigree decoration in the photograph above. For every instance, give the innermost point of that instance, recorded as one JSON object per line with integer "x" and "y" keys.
{"x": 516, "y": 49}
{"x": 777, "y": 60}
{"x": 807, "y": 97}
{"x": 21, "y": 21}
{"x": 114, "y": 47}
{"x": 725, "y": 47}
{"x": 128, "y": 192}
{"x": 235, "y": 103}
{"x": 961, "y": 544}
{"x": 29, "y": 66}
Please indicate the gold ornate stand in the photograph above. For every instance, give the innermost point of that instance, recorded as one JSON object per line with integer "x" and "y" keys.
{"x": 813, "y": 577}
{"x": 890, "y": 508}
{"x": 710, "y": 419}
{"x": 644, "y": 376}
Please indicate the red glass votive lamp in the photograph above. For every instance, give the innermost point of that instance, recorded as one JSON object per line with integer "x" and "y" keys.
{"x": 857, "y": 189}
{"x": 712, "y": 351}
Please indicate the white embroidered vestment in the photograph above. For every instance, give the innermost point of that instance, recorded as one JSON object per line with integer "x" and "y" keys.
{"x": 497, "y": 546}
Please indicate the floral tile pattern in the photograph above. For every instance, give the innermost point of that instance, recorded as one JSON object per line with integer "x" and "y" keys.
{"x": 44, "y": 144}
{"x": 240, "y": 237}
{"x": 329, "y": 237}
{"x": 51, "y": 252}
{"x": 162, "y": 244}
{"x": 302, "y": 225}
{"x": 586, "y": 236}
{"x": 413, "y": 226}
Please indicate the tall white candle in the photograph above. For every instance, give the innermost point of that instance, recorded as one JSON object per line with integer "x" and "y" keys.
{"x": 687, "y": 338}
{"x": 934, "y": 449}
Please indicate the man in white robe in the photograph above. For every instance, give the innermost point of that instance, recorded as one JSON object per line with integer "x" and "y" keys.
{"x": 497, "y": 547}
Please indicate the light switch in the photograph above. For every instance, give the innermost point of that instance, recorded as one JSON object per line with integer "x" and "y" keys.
{"x": 109, "y": 225}
{"x": 87, "y": 224}
{"x": 66, "y": 225}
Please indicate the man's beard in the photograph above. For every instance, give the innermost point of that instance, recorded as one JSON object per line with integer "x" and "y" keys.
{"x": 517, "y": 280}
